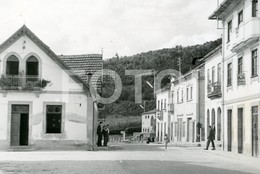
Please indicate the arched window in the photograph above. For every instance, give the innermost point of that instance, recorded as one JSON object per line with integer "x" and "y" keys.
{"x": 208, "y": 123}
{"x": 219, "y": 125}
{"x": 213, "y": 117}
{"x": 32, "y": 66}
{"x": 12, "y": 65}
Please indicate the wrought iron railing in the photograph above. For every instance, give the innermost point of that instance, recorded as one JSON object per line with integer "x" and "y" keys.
{"x": 13, "y": 82}
{"x": 214, "y": 90}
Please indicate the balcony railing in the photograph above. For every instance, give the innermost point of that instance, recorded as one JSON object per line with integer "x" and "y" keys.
{"x": 241, "y": 79}
{"x": 214, "y": 90}
{"x": 8, "y": 82}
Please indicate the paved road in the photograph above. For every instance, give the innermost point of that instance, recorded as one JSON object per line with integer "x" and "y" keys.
{"x": 173, "y": 160}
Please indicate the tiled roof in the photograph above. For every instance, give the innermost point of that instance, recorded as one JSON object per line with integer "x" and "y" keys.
{"x": 150, "y": 112}
{"x": 84, "y": 64}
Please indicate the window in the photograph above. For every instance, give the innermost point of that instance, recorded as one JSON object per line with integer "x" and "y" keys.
{"x": 53, "y": 118}
{"x": 183, "y": 130}
{"x": 178, "y": 99}
{"x": 191, "y": 89}
{"x": 254, "y": 8}
{"x": 161, "y": 104}
{"x": 240, "y": 17}
{"x": 187, "y": 94}
{"x": 254, "y": 63}
{"x": 208, "y": 76}
{"x": 164, "y": 103}
{"x": 213, "y": 74}
{"x": 32, "y": 66}
{"x": 229, "y": 74}
{"x": 229, "y": 30}
{"x": 219, "y": 72}
{"x": 240, "y": 65}
{"x": 181, "y": 95}
{"x": 12, "y": 65}
{"x": 158, "y": 106}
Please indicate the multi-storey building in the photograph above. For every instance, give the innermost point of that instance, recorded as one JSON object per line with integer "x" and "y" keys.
{"x": 43, "y": 102}
{"x": 213, "y": 97}
{"x": 162, "y": 113}
{"x": 187, "y": 96}
{"x": 241, "y": 80}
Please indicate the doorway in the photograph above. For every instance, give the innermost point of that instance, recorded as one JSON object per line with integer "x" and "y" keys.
{"x": 255, "y": 131}
{"x": 240, "y": 130}
{"x": 189, "y": 130}
{"x": 229, "y": 130}
{"x": 19, "y": 125}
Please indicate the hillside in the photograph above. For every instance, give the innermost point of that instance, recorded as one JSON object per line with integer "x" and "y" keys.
{"x": 154, "y": 60}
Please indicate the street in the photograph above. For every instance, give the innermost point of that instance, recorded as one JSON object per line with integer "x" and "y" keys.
{"x": 146, "y": 158}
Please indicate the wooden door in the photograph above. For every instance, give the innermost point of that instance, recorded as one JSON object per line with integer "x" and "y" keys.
{"x": 229, "y": 130}
{"x": 240, "y": 130}
{"x": 15, "y": 129}
{"x": 255, "y": 131}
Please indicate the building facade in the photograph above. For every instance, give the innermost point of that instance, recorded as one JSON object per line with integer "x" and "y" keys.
{"x": 241, "y": 30}
{"x": 213, "y": 97}
{"x": 43, "y": 103}
{"x": 162, "y": 114}
{"x": 149, "y": 124}
{"x": 187, "y": 98}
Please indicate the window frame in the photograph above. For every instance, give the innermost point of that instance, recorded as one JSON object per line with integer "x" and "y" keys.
{"x": 254, "y": 68}
{"x": 229, "y": 30}
{"x": 240, "y": 17}
{"x": 254, "y": 8}
{"x": 44, "y": 125}
{"x": 229, "y": 74}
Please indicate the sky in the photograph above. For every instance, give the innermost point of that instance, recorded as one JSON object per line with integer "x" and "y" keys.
{"x": 125, "y": 27}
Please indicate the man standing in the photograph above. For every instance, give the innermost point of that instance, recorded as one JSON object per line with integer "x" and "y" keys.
{"x": 99, "y": 133}
{"x": 211, "y": 137}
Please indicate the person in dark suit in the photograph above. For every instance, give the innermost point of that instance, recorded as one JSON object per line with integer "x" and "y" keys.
{"x": 105, "y": 132}
{"x": 99, "y": 133}
{"x": 211, "y": 138}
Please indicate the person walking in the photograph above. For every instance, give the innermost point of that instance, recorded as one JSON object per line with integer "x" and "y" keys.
{"x": 211, "y": 138}
{"x": 99, "y": 133}
{"x": 166, "y": 140}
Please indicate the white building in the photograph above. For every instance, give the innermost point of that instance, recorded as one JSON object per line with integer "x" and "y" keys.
{"x": 149, "y": 124}
{"x": 187, "y": 95}
{"x": 43, "y": 104}
{"x": 162, "y": 113}
{"x": 241, "y": 83}
{"x": 213, "y": 97}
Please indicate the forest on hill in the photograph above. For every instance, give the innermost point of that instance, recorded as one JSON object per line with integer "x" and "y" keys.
{"x": 157, "y": 60}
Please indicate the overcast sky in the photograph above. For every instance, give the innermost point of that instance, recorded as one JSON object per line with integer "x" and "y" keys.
{"x": 126, "y": 27}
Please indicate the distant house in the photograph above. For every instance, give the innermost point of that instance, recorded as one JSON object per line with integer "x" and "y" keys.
{"x": 45, "y": 101}
{"x": 149, "y": 123}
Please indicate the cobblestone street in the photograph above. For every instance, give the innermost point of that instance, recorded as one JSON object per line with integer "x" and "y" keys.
{"x": 177, "y": 160}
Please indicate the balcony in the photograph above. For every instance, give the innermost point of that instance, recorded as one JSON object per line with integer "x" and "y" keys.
{"x": 241, "y": 79}
{"x": 159, "y": 115}
{"x": 29, "y": 83}
{"x": 214, "y": 90}
{"x": 171, "y": 107}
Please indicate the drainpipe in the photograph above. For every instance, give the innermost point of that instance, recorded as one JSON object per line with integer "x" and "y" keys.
{"x": 223, "y": 82}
